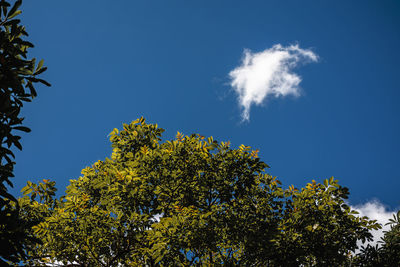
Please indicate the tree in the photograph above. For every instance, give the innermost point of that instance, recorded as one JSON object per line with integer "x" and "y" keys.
{"x": 318, "y": 228}
{"x": 390, "y": 249}
{"x": 18, "y": 74}
{"x": 187, "y": 201}
{"x": 387, "y": 254}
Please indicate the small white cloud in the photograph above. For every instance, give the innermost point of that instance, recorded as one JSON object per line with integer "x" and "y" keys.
{"x": 268, "y": 73}
{"x": 375, "y": 210}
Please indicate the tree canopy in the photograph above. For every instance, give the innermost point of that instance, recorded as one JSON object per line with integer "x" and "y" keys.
{"x": 387, "y": 253}
{"x": 189, "y": 201}
{"x": 18, "y": 75}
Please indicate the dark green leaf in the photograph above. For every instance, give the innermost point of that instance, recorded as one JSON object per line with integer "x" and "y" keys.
{"x": 32, "y": 89}
{"x": 13, "y": 10}
{"x": 4, "y": 8}
{"x": 4, "y": 3}
{"x": 40, "y": 71}
{"x": 11, "y": 22}
{"x": 17, "y": 144}
{"x": 44, "y": 82}
{"x": 22, "y": 128}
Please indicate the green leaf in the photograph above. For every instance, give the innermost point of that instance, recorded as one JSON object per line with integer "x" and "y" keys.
{"x": 26, "y": 190}
{"x": 13, "y": 10}
{"x": 16, "y": 13}
{"x": 40, "y": 71}
{"x": 40, "y": 65}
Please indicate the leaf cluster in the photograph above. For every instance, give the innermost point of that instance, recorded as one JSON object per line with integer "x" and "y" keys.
{"x": 190, "y": 201}
{"x": 18, "y": 76}
{"x": 387, "y": 252}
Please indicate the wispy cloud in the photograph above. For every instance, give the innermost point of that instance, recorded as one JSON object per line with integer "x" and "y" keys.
{"x": 268, "y": 73}
{"x": 375, "y": 210}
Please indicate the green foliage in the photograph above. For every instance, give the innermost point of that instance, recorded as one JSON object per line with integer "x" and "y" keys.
{"x": 388, "y": 253}
{"x": 188, "y": 201}
{"x": 318, "y": 228}
{"x": 18, "y": 74}
{"x": 391, "y": 242}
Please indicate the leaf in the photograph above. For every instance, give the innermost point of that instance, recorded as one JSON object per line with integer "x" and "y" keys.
{"x": 26, "y": 190}
{"x": 44, "y": 82}
{"x": 40, "y": 65}
{"x": 13, "y": 10}
{"x": 7, "y": 151}
{"x": 22, "y": 128}
{"x": 12, "y": 22}
{"x": 40, "y": 71}
{"x": 16, "y": 13}
{"x": 17, "y": 143}
{"x": 32, "y": 89}
{"x": 4, "y": 3}
{"x": 4, "y": 8}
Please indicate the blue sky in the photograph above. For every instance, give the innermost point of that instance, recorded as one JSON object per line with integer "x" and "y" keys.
{"x": 111, "y": 62}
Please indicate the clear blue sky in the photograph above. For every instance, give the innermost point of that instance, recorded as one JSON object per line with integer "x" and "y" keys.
{"x": 111, "y": 62}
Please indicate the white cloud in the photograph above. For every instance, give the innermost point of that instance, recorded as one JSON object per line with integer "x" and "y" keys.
{"x": 268, "y": 73}
{"x": 375, "y": 210}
